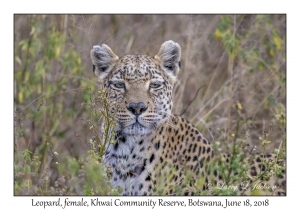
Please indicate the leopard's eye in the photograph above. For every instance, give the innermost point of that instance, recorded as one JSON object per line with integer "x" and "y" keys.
{"x": 154, "y": 85}
{"x": 119, "y": 85}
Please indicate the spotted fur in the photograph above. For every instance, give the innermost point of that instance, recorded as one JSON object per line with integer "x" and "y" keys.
{"x": 151, "y": 142}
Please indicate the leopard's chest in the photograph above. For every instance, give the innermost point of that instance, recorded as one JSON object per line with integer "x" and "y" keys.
{"x": 129, "y": 163}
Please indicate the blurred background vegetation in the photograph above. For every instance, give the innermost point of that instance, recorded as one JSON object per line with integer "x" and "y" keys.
{"x": 233, "y": 69}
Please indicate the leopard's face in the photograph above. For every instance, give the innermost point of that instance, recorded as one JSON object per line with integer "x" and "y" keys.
{"x": 140, "y": 86}
{"x": 141, "y": 92}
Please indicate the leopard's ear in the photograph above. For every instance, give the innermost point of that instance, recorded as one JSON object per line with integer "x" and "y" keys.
{"x": 169, "y": 57}
{"x": 103, "y": 60}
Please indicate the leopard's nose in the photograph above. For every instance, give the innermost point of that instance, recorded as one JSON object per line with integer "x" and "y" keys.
{"x": 137, "y": 108}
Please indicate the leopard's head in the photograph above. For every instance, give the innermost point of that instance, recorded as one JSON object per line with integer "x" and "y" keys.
{"x": 141, "y": 86}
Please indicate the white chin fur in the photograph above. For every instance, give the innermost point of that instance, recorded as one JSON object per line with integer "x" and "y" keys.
{"x": 136, "y": 129}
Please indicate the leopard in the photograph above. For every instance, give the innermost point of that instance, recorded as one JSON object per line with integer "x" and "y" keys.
{"x": 154, "y": 147}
